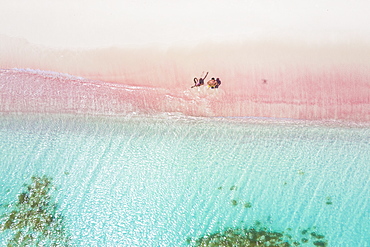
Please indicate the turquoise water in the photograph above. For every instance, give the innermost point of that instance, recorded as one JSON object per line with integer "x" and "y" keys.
{"x": 158, "y": 181}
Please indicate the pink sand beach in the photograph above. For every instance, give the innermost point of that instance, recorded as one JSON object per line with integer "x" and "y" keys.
{"x": 259, "y": 79}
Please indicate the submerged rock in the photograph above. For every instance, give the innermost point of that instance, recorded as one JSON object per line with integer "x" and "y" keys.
{"x": 320, "y": 243}
{"x": 243, "y": 237}
{"x": 33, "y": 219}
{"x": 234, "y": 187}
{"x": 253, "y": 237}
{"x": 234, "y": 202}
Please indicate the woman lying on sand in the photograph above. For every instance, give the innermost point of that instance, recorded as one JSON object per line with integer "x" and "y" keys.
{"x": 200, "y": 82}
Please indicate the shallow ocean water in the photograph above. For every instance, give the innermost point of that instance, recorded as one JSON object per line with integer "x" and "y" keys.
{"x": 160, "y": 180}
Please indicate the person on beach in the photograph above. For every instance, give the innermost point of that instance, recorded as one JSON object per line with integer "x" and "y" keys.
{"x": 212, "y": 83}
{"x": 200, "y": 82}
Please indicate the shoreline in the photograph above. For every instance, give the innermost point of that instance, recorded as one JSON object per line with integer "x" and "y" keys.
{"x": 25, "y": 90}
{"x": 283, "y": 79}
{"x": 178, "y": 117}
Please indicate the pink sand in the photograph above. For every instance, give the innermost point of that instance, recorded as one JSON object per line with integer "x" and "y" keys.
{"x": 315, "y": 82}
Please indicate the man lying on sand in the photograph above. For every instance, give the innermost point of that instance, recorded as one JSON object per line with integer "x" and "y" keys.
{"x": 214, "y": 83}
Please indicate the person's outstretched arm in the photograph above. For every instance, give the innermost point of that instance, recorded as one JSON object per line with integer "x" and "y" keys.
{"x": 205, "y": 76}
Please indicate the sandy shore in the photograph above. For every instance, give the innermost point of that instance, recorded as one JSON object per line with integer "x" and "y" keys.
{"x": 266, "y": 79}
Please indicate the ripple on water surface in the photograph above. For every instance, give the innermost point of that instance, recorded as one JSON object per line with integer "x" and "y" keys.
{"x": 178, "y": 181}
